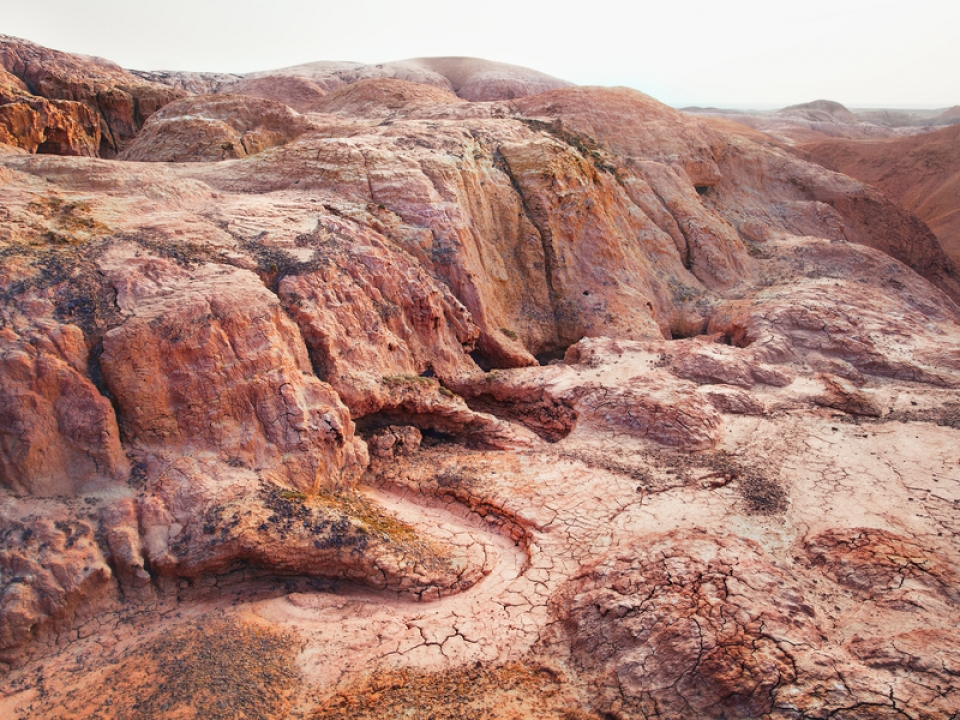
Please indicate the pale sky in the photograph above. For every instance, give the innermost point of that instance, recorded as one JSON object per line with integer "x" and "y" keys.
{"x": 734, "y": 53}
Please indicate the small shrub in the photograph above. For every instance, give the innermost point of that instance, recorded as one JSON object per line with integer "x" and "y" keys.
{"x": 405, "y": 379}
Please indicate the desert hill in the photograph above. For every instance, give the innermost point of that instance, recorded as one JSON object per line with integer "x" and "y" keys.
{"x": 820, "y": 111}
{"x": 920, "y": 173}
{"x": 823, "y": 119}
{"x": 444, "y": 387}
{"x": 470, "y": 78}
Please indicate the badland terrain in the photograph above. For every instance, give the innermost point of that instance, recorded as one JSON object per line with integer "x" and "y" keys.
{"x": 445, "y": 388}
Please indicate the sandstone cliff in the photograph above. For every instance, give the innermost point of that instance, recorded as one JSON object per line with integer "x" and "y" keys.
{"x": 118, "y": 101}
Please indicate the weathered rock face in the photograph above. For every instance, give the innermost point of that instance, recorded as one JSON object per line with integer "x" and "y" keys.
{"x": 696, "y": 624}
{"x": 815, "y": 325}
{"x": 120, "y": 101}
{"x": 371, "y": 315}
{"x": 52, "y": 570}
{"x": 209, "y": 128}
{"x": 797, "y": 198}
{"x": 57, "y": 127}
{"x": 58, "y": 434}
{"x": 230, "y": 376}
{"x": 686, "y": 625}
{"x": 540, "y": 243}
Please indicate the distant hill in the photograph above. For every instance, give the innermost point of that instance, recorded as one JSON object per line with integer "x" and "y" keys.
{"x": 920, "y": 173}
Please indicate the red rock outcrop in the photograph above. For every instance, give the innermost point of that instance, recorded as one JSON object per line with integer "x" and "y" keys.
{"x": 57, "y": 127}
{"x": 594, "y": 346}
{"x": 58, "y": 434}
{"x": 52, "y": 574}
{"x": 121, "y": 101}
{"x": 229, "y": 375}
{"x": 371, "y": 314}
{"x": 192, "y": 83}
{"x": 209, "y": 128}
{"x": 498, "y": 235}
{"x": 725, "y": 211}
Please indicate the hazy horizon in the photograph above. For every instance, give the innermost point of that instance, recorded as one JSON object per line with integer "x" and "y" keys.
{"x": 742, "y": 54}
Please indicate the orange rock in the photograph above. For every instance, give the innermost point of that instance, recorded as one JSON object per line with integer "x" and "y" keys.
{"x": 59, "y": 434}
{"x": 207, "y": 361}
{"x": 120, "y": 100}
{"x": 57, "y": 127}
{"x": 209, "y": 128}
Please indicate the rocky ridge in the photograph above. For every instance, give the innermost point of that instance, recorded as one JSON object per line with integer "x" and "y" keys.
{"x": 920, "y": 173}
{"x": 824, "y": 119}
{"x": 567, "y": 386}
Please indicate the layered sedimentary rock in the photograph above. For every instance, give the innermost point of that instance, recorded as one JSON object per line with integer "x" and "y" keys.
{"x": 58, "y": 127}
{"x": 563, "y": 390}
{"x": 59, "y": 434}
{"x": 119, "y": 100}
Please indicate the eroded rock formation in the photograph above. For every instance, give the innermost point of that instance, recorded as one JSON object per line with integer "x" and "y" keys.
{"x": 919, "y": 173}
{"x": 206, "y": 128}
{"x": 81, "y": 105}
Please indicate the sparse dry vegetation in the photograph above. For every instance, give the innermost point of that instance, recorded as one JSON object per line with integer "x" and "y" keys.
{"x": 516, "y": 691}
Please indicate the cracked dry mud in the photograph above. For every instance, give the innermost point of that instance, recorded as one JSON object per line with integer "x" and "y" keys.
{"x": 437, "y": 405}
{"x": 708, "y": 599}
